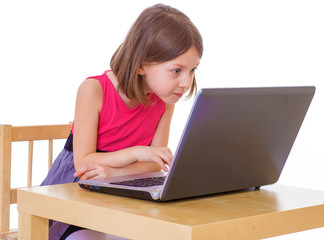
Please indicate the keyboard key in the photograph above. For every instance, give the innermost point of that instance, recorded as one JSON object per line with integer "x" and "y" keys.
{"x": 142, "y": 182}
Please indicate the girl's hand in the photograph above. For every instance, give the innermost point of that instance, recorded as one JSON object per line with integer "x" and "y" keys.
{"x": 159, "y": 155}
{"x": 94, "y": 172}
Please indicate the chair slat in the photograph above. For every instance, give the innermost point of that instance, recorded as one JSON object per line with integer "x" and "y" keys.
{"x": 30, "y": 163}
{"x": 50, "y": 153}
{"x": 45, "y": 132}
{"x": 5, "y": 175}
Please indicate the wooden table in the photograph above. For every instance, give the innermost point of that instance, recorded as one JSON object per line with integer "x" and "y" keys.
{"x": 273, "y": 210}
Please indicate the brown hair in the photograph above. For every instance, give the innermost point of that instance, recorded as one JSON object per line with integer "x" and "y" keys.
{"x": 161, "y": 33}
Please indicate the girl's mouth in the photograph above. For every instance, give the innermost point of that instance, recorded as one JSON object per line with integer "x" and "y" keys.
{"x": 178, "y": 95}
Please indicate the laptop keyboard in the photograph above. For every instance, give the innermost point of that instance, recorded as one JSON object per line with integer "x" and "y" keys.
{"x": 142, "y": 182}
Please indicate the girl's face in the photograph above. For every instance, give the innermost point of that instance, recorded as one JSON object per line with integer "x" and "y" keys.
{"x": 170, "y": 80}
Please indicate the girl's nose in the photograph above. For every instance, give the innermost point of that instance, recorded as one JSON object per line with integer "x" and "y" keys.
{"x": 186, "y": 82}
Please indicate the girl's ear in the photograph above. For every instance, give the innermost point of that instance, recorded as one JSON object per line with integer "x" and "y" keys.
{"x": 142, "y": 70}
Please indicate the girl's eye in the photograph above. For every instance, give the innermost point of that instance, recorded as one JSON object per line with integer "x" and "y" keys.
{"x": 176, "y": 71}
{"x": 193, "y": 70}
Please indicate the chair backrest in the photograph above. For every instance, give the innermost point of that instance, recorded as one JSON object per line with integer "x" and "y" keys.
{"x": 10, "y": 134}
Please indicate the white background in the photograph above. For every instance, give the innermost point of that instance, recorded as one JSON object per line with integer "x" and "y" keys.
{"x": 47, "y": 48}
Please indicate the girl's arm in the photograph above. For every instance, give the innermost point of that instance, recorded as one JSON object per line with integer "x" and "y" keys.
{"x": 160, "y": 139}
{"x": 89, "y": 163}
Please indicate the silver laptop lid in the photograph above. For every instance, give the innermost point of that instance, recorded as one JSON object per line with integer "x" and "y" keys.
{"x": 236, "y": 139}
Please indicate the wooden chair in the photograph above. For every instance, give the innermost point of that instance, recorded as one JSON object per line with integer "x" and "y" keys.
{"x": 8, "y": 135}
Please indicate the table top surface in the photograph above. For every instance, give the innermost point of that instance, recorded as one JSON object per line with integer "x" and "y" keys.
{"x": 190, "y": 212}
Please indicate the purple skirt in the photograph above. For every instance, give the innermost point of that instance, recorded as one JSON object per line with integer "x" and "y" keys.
{"x": 61, "y": 171}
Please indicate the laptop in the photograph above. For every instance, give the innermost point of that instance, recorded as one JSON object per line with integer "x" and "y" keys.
{"x": 234, "y": 139}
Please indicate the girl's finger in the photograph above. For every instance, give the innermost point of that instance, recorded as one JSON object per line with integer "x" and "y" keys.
{"x": 167, "y": 156}
{"x": 89, "y": 174}
{"x": 81, "y": 171}
{"x": 161, "y": 163}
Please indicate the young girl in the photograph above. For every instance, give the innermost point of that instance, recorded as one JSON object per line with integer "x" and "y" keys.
{"x": 122, "y": 117}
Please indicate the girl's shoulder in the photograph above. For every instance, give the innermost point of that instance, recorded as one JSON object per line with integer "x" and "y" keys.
{"x": 90, "y": 85}
{"x": 102, "y": 79}
{"x": 90, "y": 92}
{"x": 99, "y": 83}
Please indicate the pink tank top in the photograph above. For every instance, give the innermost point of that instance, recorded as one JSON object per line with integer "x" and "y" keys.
{"x": 121, "y": 127}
